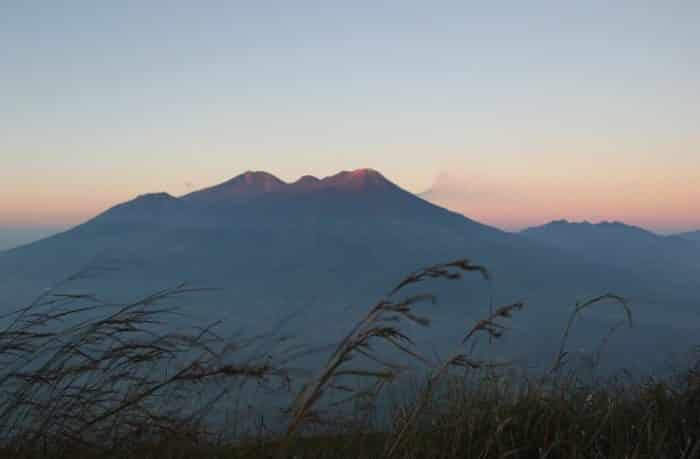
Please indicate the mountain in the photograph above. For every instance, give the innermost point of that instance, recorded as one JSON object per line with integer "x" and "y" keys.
{"x": 583, "y": 236}
{"x": 672, "y": 259}
{"x": 692, "y": 236}
{"x": 323, "y": 250}
{"x": 244, "y": 186}
{"x": 146, "y": 206}
{"x": 13, "y": 237}
{"x": 254, "y": 223}
{"x": 362, "y": 192}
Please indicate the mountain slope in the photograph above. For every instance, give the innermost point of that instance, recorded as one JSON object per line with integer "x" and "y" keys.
{"x": 13, "y": 237}
{"x": 671, "y": 259}
{"x": 255, "y": 224}
{"x": 692, "y": 236}
{"x": 323, "y": 249}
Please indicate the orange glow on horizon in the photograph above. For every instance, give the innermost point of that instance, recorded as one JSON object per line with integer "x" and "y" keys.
{"x": 515, "y": 199}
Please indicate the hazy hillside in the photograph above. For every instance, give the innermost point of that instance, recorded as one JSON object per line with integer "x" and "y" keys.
{"x": 13, "y": 237}
{"x": 693, "y": 235}
{"x": 657, "y": 259}
{"x": 323, "y": 249}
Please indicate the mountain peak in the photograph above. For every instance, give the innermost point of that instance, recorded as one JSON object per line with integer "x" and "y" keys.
{"x": 607, "y": 230}
{"x": 306, "y": 180}
{"x": 366, "y": 172}
{"x": 256, "y": 180}
{"x": 361, "y": 189}
{"x": 358, "y": 180}
{"x": 246, "y": 184}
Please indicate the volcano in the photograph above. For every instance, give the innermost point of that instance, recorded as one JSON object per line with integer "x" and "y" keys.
{"x": 318, "y": 246}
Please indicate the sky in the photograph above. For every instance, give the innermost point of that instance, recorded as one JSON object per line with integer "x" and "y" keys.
{"x": 514, "y": 113}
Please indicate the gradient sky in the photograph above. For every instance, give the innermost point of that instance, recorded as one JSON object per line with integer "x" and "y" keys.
{"x": 519, "y": 112}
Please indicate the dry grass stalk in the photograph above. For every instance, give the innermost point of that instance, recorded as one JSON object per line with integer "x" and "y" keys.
{"x": 492, "y": 327}
{"x": 81, "y": 371}
{"x": 74, "y": 368}
{"x": 560, "y": 359}
{"x": 382, "y": 325}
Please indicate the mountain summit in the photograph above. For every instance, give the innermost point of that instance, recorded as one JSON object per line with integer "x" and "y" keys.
{"x": 357, "y": 180}
{"x": 357, "y": 192}
{"x": 254, "y": 183}
{"x": 247, "y": 184}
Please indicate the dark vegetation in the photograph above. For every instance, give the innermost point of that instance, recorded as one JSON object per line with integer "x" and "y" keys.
{"x": 83, "y": 377}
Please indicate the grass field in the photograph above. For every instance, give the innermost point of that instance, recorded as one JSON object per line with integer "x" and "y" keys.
{"x": 83, "y": 378}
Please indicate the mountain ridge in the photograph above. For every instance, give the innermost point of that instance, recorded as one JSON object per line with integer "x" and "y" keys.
{"x": 259, "y": 194}
{"x": 322, "y": 245}
{"x": 625, "y": 246}
{"x": 691, "y": 235}
{"x": 258, "y": 182}
{"x": 588, "y": 226}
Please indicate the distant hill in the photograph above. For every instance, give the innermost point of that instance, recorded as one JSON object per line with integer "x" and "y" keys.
{"x": 327, "y": 248}
{"x": 657, "y": 259}
{"x": 693, "y": 236}
{"x": 586, "y": 237}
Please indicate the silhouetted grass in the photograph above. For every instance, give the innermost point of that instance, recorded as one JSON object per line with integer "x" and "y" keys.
{"x": 81, "y": 377}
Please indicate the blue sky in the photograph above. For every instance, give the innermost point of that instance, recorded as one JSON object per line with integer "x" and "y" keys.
{"x": 558, "y": 101}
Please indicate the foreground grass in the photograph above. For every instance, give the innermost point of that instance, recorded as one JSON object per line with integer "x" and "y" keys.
{"x": 85, "y": 378}
{"x": 656, "y": 419}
